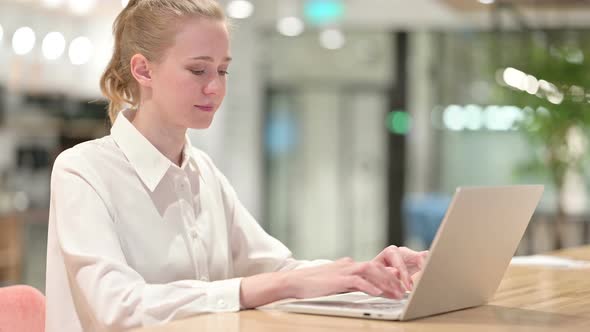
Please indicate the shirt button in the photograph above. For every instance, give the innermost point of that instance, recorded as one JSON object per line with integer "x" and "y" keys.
{"x": 194, "y": 233}
{"x": 221, "y": 304}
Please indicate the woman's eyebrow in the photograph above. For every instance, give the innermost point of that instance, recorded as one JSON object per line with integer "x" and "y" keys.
{"x": 210, "y": 59}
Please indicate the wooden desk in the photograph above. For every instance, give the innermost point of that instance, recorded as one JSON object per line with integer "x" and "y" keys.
{"x": 529, "y": 299}
{"x": 11, "y": 249}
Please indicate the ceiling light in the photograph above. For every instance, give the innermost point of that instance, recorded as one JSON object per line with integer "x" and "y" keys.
{"x": 23, "y": 40}
{"x": 332, "y": 39}
{"x": 240, "y": 9}
{"x": 515, "y": 78}
{"x": 290, "y": 26}
{"x": 54, "y": 45}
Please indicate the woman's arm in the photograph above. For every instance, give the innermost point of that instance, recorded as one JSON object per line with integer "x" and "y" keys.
{"x": 106, "y": 290}
{"x": 272, "y": 274}
{"x": 389, "y": 275}
{"x": 344, "y": 275}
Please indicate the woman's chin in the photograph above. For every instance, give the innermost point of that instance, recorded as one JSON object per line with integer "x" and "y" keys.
{"x": 201, "y": 124}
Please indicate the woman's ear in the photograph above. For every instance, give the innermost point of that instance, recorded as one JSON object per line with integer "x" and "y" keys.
{"x": 140, "y": 69}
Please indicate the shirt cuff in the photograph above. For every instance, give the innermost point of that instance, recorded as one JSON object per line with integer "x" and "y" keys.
{"x": 224, "y": 295}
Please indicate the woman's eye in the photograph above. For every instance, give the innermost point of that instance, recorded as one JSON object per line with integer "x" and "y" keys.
{"x": 203, "y": 72}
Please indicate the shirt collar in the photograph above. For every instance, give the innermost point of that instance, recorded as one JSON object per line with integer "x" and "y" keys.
{"x": 149, "y": 163}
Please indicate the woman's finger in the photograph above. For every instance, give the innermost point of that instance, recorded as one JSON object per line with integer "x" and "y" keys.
{"x": 394, "y": 258}
{"x": 357, "y": 283}
{"x": 378, "y": 275}
{"x": 415, "y": 261}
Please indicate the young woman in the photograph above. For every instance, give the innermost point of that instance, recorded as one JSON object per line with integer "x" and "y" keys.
{"x": 143, "y": 228}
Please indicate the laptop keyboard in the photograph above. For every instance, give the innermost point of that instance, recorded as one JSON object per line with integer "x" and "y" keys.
{"x": 385, "y": 306}
{"x": 355, "y": 300}
{"x": 388, "y": 306}
{"x": 356, "y": 297}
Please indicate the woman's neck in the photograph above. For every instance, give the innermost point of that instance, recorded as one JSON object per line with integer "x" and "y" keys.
{"x": 167, "y": 138}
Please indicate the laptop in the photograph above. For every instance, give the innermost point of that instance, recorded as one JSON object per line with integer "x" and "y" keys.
{"x": 472, "y": 249}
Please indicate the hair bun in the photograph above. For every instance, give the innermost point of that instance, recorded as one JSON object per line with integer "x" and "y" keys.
{"x": 132, "y": 3}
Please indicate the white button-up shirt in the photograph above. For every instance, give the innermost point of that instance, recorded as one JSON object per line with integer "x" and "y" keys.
{"x": 136, "y": 240}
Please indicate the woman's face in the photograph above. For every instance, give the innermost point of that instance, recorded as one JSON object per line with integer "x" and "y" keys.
{"x": 189, "y": 83}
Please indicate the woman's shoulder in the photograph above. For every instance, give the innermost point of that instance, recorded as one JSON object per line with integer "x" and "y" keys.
{"x": 93, "y": 152}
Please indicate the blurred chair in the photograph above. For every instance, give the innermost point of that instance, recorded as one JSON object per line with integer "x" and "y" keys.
{"x": 22, "y": 309}
{"x": 423, "y": 214}
{"x": 11, "y": 250}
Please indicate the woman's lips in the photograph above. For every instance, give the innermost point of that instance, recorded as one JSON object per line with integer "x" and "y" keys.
{"x": 205, "y": 108}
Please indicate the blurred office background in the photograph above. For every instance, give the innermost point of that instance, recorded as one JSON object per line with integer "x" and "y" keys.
{"x": 348, "y": 123}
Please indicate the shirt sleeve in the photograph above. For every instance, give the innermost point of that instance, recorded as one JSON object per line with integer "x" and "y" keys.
{"x": 254, "y": 251}
{"x": 106, "y": 290}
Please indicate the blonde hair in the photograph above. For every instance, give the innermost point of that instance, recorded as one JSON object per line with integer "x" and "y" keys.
{"x": 146, "y": 27}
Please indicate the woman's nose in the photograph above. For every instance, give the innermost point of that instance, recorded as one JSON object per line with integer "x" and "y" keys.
{"x": 214, "y": 86}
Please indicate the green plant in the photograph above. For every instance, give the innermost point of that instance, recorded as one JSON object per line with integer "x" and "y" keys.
{"x": 556, "y": 115}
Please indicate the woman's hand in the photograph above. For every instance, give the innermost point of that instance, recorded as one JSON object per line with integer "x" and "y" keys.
{"x": 387, "y": 275}
{"x": 345, "y": 275}
{"x": 404, "y": 263}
